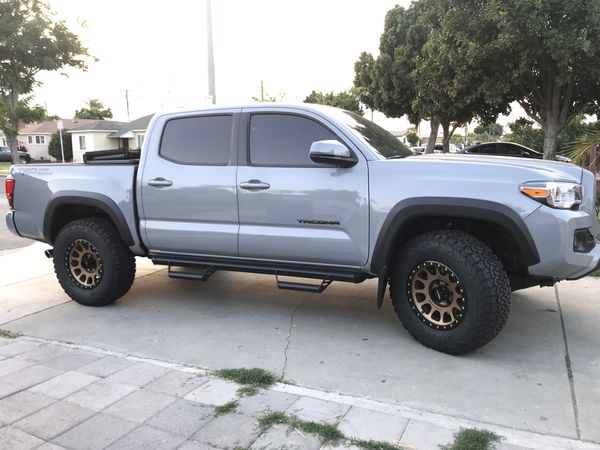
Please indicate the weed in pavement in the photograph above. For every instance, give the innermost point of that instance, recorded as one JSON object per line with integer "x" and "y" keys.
{"x": 247, "y": 391}
{"x": 8, "y": 334}
{"x": 472, "y": 439}
{"x": 374, "y": 445}
{"x": 259, "y": 378}
{"x": 227, "y": 408}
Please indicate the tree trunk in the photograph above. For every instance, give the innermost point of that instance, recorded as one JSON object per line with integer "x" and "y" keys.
{"x": 551, "y": 130}
{"x": 435, "y": 126}
{"x": 11, "y": 134}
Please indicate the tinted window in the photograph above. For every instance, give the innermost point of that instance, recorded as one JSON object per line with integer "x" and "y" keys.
{"x": 487, "y": 149}
{"x": 510, "y": 150}
{"x": 380, "y": 140}
{"x": 198, "y": 140}
{"x": 284, "y": 140}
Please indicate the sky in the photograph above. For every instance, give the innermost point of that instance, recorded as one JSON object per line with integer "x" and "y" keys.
{"x": 157, "y": 51}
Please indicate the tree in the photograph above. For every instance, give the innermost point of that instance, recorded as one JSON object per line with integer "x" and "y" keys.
{"x": 413, "y": 138}
{"x": 95, "y": 110}
{"x": 415, "y": 75}
{"x": 544, "y": 54}
{"x": 54, "y": 149}
{"x": 31, "y": 42}
{"x": 385, "y": 83}
{"x": 493, "y": 130}
{"x": 265, "y": 97}
{"x": 347, "y": 100}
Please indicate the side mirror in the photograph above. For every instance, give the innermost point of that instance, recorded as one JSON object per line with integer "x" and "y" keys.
{"x": 332, "y": 152}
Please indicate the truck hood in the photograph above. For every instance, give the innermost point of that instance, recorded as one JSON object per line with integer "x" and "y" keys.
{"x": 554, "y": 170}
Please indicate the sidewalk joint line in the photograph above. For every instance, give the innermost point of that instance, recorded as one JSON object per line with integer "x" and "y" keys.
{"x": 569, "y": 366}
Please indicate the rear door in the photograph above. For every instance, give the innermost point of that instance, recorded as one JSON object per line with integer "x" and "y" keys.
{"x": 188, "y": 186}
{"x": 292, "y": 209}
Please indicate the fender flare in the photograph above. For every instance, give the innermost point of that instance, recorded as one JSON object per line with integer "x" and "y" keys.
{"x": 458, "y": 208}
{"x": 95, "y": 200}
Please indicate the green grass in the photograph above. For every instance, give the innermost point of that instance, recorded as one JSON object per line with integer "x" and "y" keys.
{"x": 373, "y": 445}
{"x": 596, "y": 274}
{"x": 256, "y": 377}
{"x": 247, "y": 391}
{"x": 326, "y": 433}
{"x": 227, "y": 408}
{"x": 472, "y": 439}
{"x": 8, "y": 334}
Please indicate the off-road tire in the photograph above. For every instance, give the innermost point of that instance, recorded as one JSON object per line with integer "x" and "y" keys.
{"x": 117, "y": 262}
{"x": 486, "y": 288}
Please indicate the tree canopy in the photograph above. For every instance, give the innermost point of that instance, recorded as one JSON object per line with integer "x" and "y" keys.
{"x": 543, "y": 54}
{"x": 347, "y": 100}
{"x": 453, "y": 60}
{"x": 95, "y": 110}
{"x": 32, "y": 41}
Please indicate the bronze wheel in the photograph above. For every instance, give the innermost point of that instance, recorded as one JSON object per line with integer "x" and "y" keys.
{"x": 436, "y": 295}
{"x": 84, "y": 264}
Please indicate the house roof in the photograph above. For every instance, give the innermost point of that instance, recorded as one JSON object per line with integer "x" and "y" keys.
{"x": 99, "y": 125}
{"x": 50, "y": 127}
{"x": 135, "y": 125}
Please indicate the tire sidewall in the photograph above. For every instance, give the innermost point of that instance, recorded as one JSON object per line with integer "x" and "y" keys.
{"x": 431, "y": 336}
{"x": 110, "y": 275}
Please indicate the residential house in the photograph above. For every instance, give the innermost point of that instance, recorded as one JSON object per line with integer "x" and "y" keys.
{"x": 108, "y": 135}
{"x": 36, "y": 136}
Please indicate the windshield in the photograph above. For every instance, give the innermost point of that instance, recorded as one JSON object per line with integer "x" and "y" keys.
{"x": 379, "y": 140}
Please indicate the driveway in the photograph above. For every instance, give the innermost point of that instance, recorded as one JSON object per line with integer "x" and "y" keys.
{"x": 540, "y": 374}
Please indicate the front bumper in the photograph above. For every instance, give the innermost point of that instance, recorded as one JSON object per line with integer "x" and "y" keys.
{"x": 553, "y": 232}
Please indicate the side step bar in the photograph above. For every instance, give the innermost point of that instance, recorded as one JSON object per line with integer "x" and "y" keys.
{"x": 293, "y": 286}
{"x": 202, "y": 269}
{"x": 201, "y": 276}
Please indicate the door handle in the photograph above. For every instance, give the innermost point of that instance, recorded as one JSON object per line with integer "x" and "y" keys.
{"x": 160, "y": 182}
{"x": 254, "y": 185}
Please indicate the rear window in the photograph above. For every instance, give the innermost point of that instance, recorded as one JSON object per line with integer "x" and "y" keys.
{"x": 201, "y": 140}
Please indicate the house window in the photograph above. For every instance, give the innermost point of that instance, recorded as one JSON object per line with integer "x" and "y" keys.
{"x": 82, "y": 142}
{"x": 140, "y": 140}
{"x": 30, "y": 139}
{"x": 40, "y": 139}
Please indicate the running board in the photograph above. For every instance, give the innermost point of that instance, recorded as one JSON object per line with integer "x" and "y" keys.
{"x": 305, "y": 287}
{"x": 188, "y": 275}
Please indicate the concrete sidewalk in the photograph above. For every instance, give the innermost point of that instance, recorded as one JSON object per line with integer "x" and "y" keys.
{"x": 537, "y": 381}
{"x": 57, "y": 395}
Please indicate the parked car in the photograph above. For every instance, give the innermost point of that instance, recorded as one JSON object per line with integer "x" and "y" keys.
{"x": 314, "y": 192}
{"x": 508, "y": 149}
{"x": 6, "y": 156}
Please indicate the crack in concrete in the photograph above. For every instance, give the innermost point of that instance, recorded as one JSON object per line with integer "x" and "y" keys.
{"x": 568, "y": 365}
{"x": 289, "y": 339}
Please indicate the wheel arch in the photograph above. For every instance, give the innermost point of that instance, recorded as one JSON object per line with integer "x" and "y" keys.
{"x": 65, "y": 207}
{"x": 443, "y": 212}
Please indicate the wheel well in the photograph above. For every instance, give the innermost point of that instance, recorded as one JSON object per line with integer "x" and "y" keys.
{"x": 498, "y": 238}
{"x": 65, "y": 213}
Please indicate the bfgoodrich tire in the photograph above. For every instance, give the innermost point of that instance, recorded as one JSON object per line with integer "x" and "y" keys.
{"x": 450, "y": 291}
{"x": 92, "y": 264}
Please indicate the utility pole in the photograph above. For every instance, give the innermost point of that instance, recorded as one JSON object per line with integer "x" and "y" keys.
{"x": 211, "y": 57}
{"x": 262, "y": 92}
{"x": 127, "y": 102}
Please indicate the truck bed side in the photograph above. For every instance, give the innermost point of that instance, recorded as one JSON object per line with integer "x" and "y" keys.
{"x": 48, "y": 196}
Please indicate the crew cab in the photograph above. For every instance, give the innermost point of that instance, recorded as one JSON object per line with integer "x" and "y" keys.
{"x": 317, "y": 193}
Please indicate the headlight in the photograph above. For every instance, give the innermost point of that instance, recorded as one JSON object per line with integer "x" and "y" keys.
{"x": 557, "y": 194}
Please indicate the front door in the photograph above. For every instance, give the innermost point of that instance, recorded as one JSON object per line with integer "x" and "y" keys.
{"x": 292, "y": 209}
{"x": 188, "y": 192}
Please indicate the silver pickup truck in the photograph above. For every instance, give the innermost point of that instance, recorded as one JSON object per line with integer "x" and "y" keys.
{"x": 314, "y": 193}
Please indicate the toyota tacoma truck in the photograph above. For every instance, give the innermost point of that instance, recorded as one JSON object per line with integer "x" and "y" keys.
{"x": 314, "y": 195}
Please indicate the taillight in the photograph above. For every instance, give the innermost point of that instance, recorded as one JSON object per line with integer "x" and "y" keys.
{"x": 9, "y": 184}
